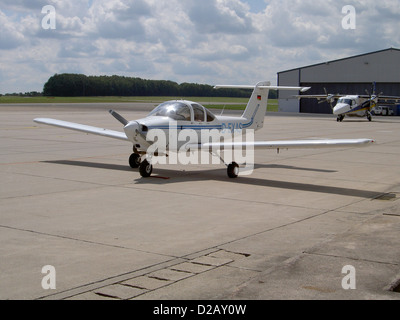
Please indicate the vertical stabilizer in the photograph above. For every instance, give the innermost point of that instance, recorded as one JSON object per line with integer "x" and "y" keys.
{"x": 257, "y": 105}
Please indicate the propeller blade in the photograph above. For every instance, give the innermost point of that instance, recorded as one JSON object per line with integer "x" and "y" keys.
{"x": 330, "y": 98}
{"x": 118, "y": 117}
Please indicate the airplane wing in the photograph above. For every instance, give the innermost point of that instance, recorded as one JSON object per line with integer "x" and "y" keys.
{"x": 319, "y": 96}
{"x": 383, "y": 99}
{"x": 83, "y": 128}
{"x": 388, "y": 99}
{"x": 284, "y": 144}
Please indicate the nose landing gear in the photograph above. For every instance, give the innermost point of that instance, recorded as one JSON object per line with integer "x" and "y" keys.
{"x": 340, "y": 118}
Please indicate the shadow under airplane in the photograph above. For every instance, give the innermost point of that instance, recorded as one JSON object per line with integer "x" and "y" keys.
{"x": 166, "y": 176}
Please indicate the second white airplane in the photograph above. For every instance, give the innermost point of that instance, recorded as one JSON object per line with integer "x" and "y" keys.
{"x": 353, "y": 105}
{"x": 188, "y": 115}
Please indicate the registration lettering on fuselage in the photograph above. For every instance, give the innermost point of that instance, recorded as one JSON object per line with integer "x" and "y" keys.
{"x": 232, "y": 126}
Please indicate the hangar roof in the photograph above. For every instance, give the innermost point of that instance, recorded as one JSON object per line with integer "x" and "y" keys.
{"x": 378, "y": 66}
{"x": 343, "y": 59}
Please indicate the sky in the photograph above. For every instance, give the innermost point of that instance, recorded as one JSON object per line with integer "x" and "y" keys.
{"x": 196, "y": 41}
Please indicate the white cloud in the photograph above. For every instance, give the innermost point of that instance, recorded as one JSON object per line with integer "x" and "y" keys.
{"x": 210, "y": 41}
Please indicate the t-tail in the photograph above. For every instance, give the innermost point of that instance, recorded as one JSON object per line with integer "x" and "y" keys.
{"x": 257, "y": 105}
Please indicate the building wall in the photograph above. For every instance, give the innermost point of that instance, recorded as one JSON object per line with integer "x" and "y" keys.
{"x": 285, "y": 98}
{"x": 383, "y": 66}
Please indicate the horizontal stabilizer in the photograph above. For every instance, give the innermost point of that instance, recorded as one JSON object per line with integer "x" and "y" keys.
{"x": 83, "y": 128}
{"x": 301, "y": 89}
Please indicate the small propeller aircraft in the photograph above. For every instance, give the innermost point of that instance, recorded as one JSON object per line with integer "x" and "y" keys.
{"x": 189, "y": 115}
{"x": 353, "y": 105}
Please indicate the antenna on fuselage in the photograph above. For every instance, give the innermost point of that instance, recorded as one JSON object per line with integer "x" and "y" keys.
{"x": 222, "y": 111}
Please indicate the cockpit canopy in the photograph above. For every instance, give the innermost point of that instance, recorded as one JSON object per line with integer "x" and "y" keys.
{"x": 183, "y": 111}
{"x": 344, "y": 100}
{"x": 348, "y": 100}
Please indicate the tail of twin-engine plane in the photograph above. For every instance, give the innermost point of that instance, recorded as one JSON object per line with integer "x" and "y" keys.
{"x": 257, "y": 105}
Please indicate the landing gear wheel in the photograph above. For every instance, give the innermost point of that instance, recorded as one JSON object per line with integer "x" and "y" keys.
{"x": 369, "y": 117}
{"x": 340, "y": 118}
{"x": 233, "y": 170}
{"x": 134, "y": 160}
{"x": 145, "y": 169}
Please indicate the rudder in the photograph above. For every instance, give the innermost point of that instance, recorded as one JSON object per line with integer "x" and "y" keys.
{"x": 257, "y": 106}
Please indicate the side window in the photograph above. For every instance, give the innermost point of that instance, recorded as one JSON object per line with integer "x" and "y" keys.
{"x": 183, "y": 113}
{"x": 210, "y": 116}
{"x": 198, "y": 112}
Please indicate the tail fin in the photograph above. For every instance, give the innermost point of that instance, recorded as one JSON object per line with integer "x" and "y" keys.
{"x": 257, "y": 105}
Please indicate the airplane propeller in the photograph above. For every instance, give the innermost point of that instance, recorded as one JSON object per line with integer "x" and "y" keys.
{"x": 118, "y": 117}
{"x": 330, "y": 98}
{"x": 373, "y": 96}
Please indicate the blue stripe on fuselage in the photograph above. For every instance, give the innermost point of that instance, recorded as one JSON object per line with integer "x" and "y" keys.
{"x": 366, "y": 105}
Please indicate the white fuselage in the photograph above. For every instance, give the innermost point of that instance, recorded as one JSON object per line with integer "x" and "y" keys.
{"x": 177, "y": 133}
{"x": 353, "y": 106}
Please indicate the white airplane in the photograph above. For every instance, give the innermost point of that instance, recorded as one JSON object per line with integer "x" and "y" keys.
{"x": 186, "y": 115}
{"x": 353, "y": 105}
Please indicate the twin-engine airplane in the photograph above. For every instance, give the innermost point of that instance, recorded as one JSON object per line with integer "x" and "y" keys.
{"x": 182, "y": 115}
{"x": 353, "y": 105}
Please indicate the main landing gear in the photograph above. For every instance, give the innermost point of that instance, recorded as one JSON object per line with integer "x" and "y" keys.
{"x": 233, "y": 170}
{"x": 134, "y": 160}
{"x": 146, "y": 168}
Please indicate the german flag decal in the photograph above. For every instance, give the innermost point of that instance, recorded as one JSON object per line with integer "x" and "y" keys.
{"x": 258, "y": 97}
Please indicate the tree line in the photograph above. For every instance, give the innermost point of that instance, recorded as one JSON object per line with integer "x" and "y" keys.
{"x": 80, "y": 85}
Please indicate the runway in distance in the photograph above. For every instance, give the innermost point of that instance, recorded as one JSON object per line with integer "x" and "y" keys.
{"x": 353, "y": 105}
{"x": 186, "y": 126}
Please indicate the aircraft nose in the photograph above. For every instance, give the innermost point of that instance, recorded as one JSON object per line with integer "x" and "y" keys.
{"x": 339, "y": 109}
{"x": 132, "y": 130}
{"x": 336, "y": 110}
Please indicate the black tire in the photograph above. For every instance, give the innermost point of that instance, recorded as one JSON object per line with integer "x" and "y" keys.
{"x": 134, "y": 160}
{"x": 233, "y": 170}
{"x": 145, "y": 169}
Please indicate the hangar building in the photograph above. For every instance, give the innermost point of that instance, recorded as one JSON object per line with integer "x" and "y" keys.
{"x": 352, "y": 75}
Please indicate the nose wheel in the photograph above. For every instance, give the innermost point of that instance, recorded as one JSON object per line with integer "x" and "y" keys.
{"x": 340, "y": 118}
{"x": 145, "y": 169}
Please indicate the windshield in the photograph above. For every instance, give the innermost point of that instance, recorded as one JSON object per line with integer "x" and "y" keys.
{"x": 172, "y": 109}
{"x": 346, "y": 101}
